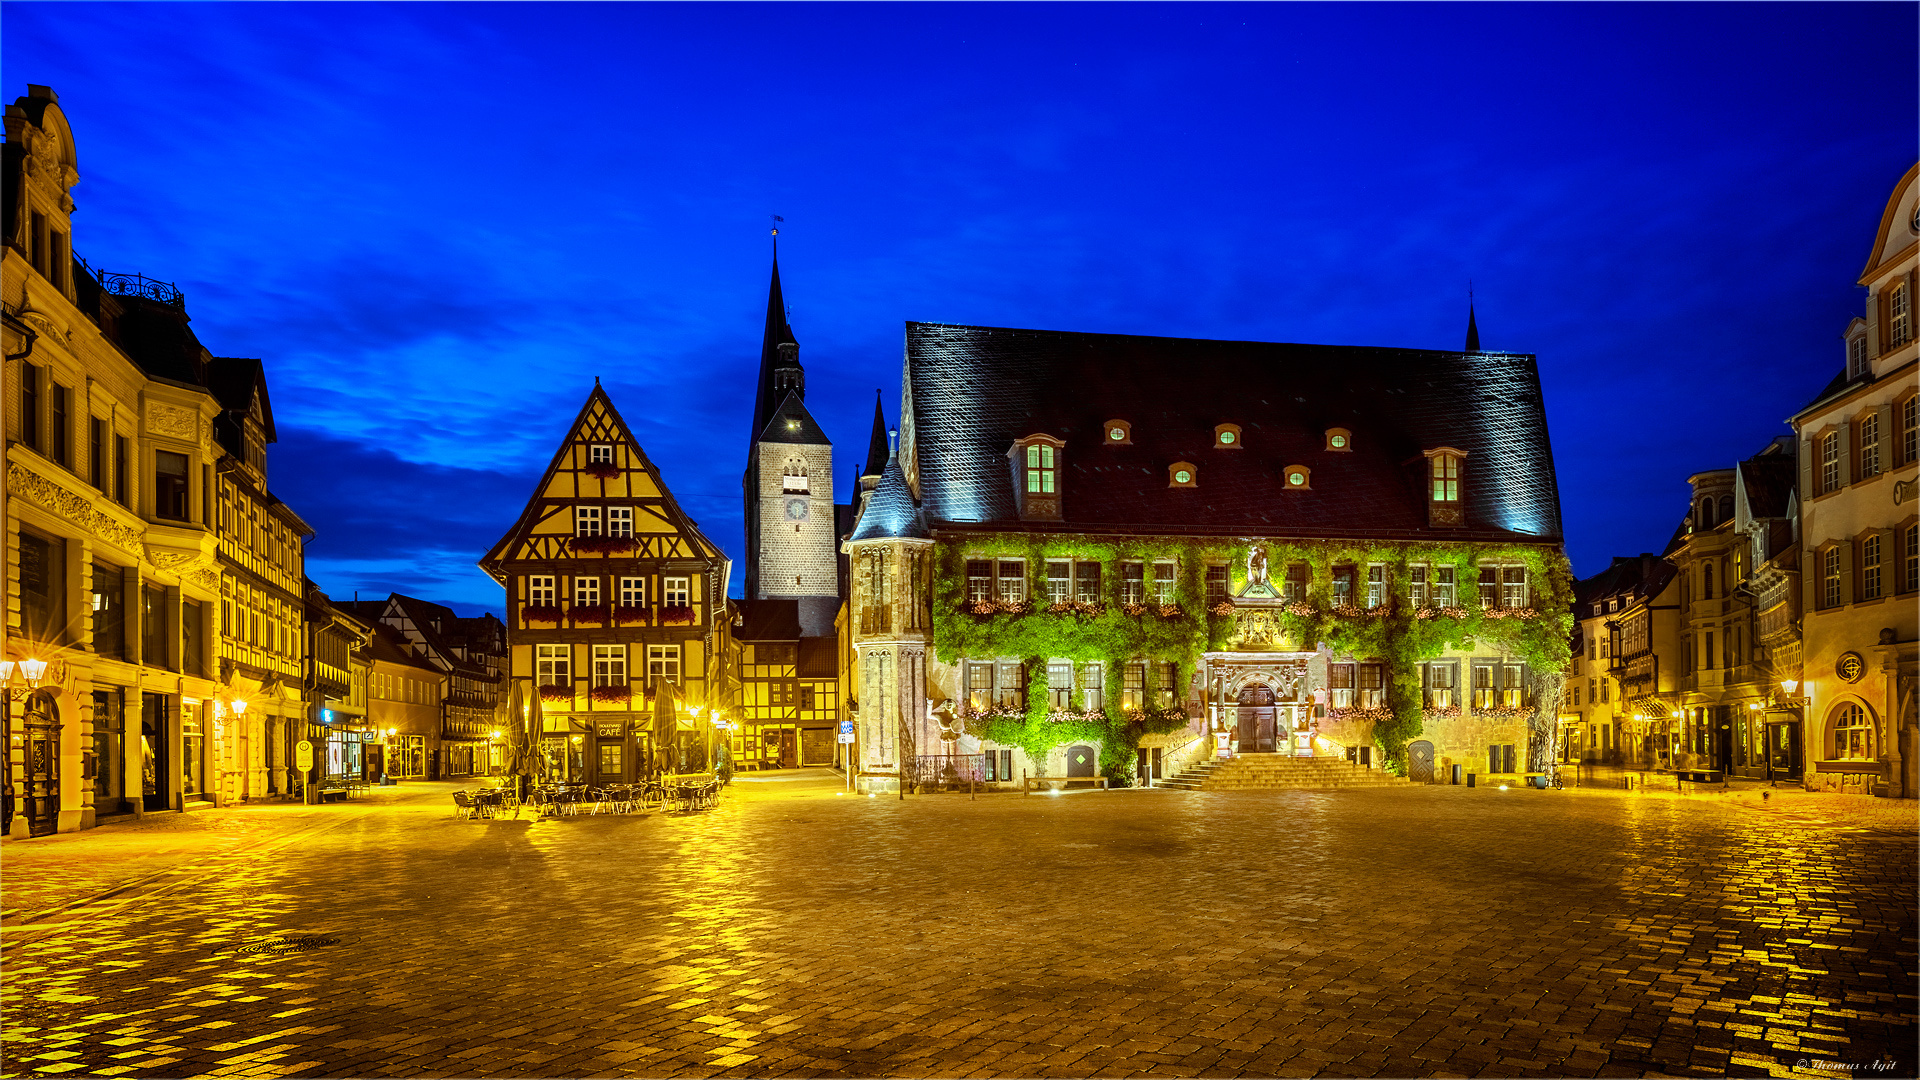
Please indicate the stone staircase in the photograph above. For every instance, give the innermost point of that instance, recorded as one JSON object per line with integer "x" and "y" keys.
{"x": 1269, "y": 772}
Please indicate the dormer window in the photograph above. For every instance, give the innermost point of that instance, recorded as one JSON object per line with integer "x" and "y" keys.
{"x": 1297, "y": 478}
{"x": 1117, "y": 433}
{"x": 1036, "y": 462}
{"x": 600, "y": 454}
{"x": 1226, "y": 437}
{"x": 1340, "y": 439}
{"x": 1857, "y": 354}
{"x": 1183, "y": 474}
{"x": 1443, "y": 486}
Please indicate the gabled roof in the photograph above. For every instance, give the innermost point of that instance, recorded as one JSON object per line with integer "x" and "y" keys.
{"x": 234, "y": 380}
{"x": 792, "y": 423}
{"x": 389, "y": 645}
{"x": 1766, "y": 482}
{"x": 670, "y": 509}
{"x": 890, "y": 512}
{"x": 972, "y": 391}
{"x": 1630, "y": 577}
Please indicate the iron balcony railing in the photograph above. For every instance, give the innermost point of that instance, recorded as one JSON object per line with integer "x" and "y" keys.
{"x": 136, "y": 285}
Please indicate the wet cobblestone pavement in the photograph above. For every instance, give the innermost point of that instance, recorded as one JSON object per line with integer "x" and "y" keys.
{"x": 794, "y": 932}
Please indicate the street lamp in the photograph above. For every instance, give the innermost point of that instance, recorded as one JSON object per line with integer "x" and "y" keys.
{"x": 30, "y": 670}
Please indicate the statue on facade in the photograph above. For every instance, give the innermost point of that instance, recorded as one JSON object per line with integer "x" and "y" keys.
{"x": 1256, "y": 568}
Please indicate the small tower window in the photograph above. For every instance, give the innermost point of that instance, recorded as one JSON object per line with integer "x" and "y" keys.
{"x": 1340, "y": 439}
{"x": 1226, "y": 437}
{"x": 1297, "y": 478}
{"x": 1117, "y": 433}
{"x": 794, "y": 479}
{"x": 1183, "y": 474}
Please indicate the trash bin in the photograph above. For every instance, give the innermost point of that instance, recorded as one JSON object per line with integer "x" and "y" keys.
{"x": 1470, "y": 777}
{"x": 1457, "y": 769}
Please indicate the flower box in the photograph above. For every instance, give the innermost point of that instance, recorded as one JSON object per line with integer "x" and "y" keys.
{"x": 631, "y": 615}
{"x": 556, "y": 692}
{"x": 604, "y": 545}
{"x": 996, "y": 607}
{"x": 593, "y": 613}
{"x": 1135, "y": 610}
{"x": 1171, "y": 611}
{"x": 617, "y": 694}
{"x": 676, "y": 615}
{"x": 1224, "y": 607}
{"x": 546, "y": 613}
{"x": 605, "y": 470}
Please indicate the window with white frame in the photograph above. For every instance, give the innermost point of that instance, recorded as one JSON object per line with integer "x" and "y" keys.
{"x": 540, "y": 590}
{"x": 619, "y": 521}
{"x": 1092, "y": 686}
{"x": 600, "y": 454}
{"x": 1513, "y": 685}
{"x": 1443, "y": 586}
{"x": 1869, "y": 445}
{"x": 633, "y": 591}
{"x": 1417, "y": 586}
{"x": 1856, "y": 356}
{"x": 1060, "y": 684}
{"x": 1910, "y": 430}
{"x": 1133, "y": 687}
{"x": 676, "y": 592}
{"x": 1373, "y": 686}
{"x": 1513, "y": 587}
{"x": 1376, "y": 585}
{"x": 586, "y": 591}
{"x": 980, "y": 685}
{"x": 663, "y": 662}
{"x": 1830, "y": 577}
{"x": 979, "y": 579}
{"x": 1437, "y": 685}
{"x": 1164, "y": 689}
{"x": 1852, "y": 734}
{"x": 1489, "y": 587}
{"x": 1340, "y": 685}
{"x": 1829, "y": 462}
{"x": 1899, "y": 316}
{"x": 1483, "y": 686}
{"x": 1040, "y": 472}
{"x": 1059, "y": 581}
{"x": 1870, "y": 568}
{"x": 553, "y": 665}
{"x": 610, "y": 665}
{"x": 1133, "y": 583}
{"x": 586, "y": 521}
{"x": 1163, "y": 579}
{"x": 1012, "y": 579}
{"x": 1010, "y": 684}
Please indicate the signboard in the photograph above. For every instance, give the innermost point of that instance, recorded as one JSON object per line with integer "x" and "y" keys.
{"x": 303, "y": 756}
{"x": 846, "y": 731}
{"x": 610, "y": 731}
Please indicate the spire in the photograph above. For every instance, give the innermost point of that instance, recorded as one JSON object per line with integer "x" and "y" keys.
{"x": 1473, "y": 331}
{"x": 877, "y": 445}
{"x": 779, "y": 354}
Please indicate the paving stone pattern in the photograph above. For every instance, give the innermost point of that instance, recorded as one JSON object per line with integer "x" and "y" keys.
{"x": 795, "y": 932}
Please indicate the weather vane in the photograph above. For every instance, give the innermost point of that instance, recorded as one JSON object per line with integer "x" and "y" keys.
{"x": 777, "y": 222}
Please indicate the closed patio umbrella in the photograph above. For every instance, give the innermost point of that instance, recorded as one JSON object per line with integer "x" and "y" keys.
{"x": 666, "y": 738}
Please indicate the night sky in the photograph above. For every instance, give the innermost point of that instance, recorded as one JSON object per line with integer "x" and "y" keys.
{"x": 437, "y": 223}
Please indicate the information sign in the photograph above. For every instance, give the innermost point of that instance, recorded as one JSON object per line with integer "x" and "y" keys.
{"x": 846, "y": 731}
{"x": 303, "y": 755}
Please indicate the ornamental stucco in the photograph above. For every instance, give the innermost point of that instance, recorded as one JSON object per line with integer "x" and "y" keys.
{"x": 172, "y": 420}
{"x": 75, "y": 508}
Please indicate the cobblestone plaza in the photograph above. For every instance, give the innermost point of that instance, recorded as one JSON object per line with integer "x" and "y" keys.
{"x": 795, "y": 931}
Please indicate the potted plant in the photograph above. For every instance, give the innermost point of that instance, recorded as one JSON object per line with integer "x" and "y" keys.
{"x": 594, "y": 613}
{"x": 676, "y": 614}
{"x": 612, "y": 694}
{"x": 605, "y": 470}
{"x": 631, "y": 615}
{"x": 556, "y": 692}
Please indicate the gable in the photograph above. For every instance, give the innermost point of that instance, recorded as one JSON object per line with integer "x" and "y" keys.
{"x": 599, "y": 464}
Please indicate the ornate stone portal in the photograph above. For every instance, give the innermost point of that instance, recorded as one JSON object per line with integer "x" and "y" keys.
{"x": 1262, "y": 702}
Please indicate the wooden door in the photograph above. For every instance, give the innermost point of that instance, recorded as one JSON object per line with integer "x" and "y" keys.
{"x": 1081, "y": 761}
{"x": 1420, "y": 762}
{"x": 1256, "y": 720}
{"x": 42, "y": 760}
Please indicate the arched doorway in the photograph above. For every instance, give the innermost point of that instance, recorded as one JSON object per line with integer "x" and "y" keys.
{"x": 1081, "y": 761}
{"x": 1420, "y": 762}
{"x": 41, "y": 763}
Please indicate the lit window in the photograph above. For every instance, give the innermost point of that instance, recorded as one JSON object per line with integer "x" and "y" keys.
{"x": 1869, "y": 445}
{"x": 1899, "y": 316}
{"x": 1852, "y": 734}
{"x": 552, "y": 665}
{"x": 1339, "y": 439}
{"x": 633, "y": 591}
{"x": 1163, "y": 578}
{"x": 676, "y": 592}
{"x": 586, "y": 521}
{"x": 1437, "y": 685}
{"x": 1183, "y": 474}
{"x": 1297, "y": 477}
{"x": 609, "y": 665}
{"x": 619, "y": 521}
{"x": 795, "y": 479}
{"x": 600, "y": 454}
{"x": 1376, "y": 585}
{"x": 1118, "y": 433}
{"x": 1340, "y": 682}
{"x": 1870, "y": 568}
{"x": 1910, "y": 576}
{"x": 1013, "y": 579}
{"x": 1133, "y": 687}
{"x": 1446, "y": 478}
{"x": 1133, "y": 588}
{"x": 1910, "y": 430}
{"x": 1060, "y": 685}
{"x": 1040, "y": 475}
{"x": 979, "y": 580}
{"x": 1216, "y": 585}
{"x": 1226, "y": 437}
{"x": 1443, "y": 595}
{"x": 1830, "y": 462}
{"x": 1059, "y": 581}
{"x": 1830, "y": 578}
{"x": 1417, "y": 586}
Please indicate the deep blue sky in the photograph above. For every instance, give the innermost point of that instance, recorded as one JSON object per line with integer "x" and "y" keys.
{"x": 437, "y": 223}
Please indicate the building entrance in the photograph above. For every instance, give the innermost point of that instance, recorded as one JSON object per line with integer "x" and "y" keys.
{"x": 155, "y": 788}
{"x": 42, "y": 764}
{"x": 1256, "y": 720}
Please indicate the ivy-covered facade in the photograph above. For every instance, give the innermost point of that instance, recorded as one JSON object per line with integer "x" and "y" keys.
{"x": 1118, "y": 555}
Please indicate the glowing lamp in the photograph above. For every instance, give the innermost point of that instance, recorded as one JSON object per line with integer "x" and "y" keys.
{"x": 34, "y": 670}
{"x": 1677, "y": 714}
{"x": 6, "y": 672}
{"x": 240, "y": 707}
{"x": 1789, "y": 685}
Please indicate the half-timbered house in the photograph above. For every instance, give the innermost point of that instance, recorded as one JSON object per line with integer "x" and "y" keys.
{"x": 611, "y": 590}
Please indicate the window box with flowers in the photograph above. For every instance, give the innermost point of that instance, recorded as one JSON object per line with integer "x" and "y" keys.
{"x": 604, "y": 545}
{"x": 556, "y": 692}
{"x": 995, "y": 607}
{"x": 1073, "y": 607}
{"x": 631, "y": 615}
{"x": 542, "y": 613}
{"x": 676, "y": 615}
{"x": 589, "y": 613}
{"x": 605, "y": 470}
{"x": 612, "y": 694}
{"x": 1170, "y": 611}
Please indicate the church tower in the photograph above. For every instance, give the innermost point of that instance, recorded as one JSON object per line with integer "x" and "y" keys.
{"x": 788, "y": 487}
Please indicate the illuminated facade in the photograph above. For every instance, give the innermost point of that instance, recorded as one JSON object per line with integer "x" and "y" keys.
{"x": 1614, "y": 711}
{"x": 612, "y": 591}
{"x": 1859, "y": 454}
{"x": 1096, "y": 554}
{"x": 468, "y": 657}
{"x": 120, "y": 567}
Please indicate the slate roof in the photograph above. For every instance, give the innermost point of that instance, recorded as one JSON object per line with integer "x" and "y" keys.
{"x": 890, "y": 512}
{"x": 805, "y": 430}
{"x": 792, "y": 619}
{"x": 777, "y": 333}
{"x": 878, "y": 445}
{"x": 1631, "y": 577}
{"x": 1768, "y": 479}
{"x": 233, "y": 381}
{"x": 974, "y": 390}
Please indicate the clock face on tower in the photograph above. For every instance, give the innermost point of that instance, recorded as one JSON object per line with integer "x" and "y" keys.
{"x": 796, "y": 509}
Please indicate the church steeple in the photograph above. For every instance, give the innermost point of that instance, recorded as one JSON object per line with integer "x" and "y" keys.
{"x": 780, "y": 369}
{"x": 877, "y": 449}
{"x": 1473, "y": 331}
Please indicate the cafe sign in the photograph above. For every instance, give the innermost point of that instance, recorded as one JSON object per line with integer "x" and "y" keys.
{"x": 611, "y": 731}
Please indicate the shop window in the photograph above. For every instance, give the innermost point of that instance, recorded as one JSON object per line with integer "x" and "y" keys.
{"x": 610, "y": 760}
